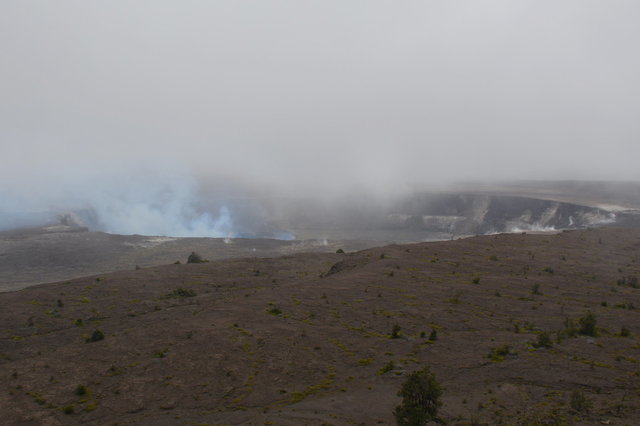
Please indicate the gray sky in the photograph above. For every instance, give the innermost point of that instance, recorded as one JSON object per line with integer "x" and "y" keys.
{"x": 318, "y": 93}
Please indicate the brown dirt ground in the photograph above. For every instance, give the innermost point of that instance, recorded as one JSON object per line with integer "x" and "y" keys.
{"x": 270, "y": 341}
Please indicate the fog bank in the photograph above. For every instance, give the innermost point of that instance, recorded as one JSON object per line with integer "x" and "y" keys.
{"x": 125, "y": 108}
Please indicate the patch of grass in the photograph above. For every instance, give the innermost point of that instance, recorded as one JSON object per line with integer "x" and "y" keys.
{"x": 180, "y": 293}
{"x": 543, "y": 341}
{"x": 455, "y": 299}
{"x": 161, "y": 354}
{"x": 365, "y": 361}
{"x": 324, "y": 384}
{"x": 630, "y": 281}
{"x": 500, "y": 353}
{"x": 342, "y": 346}
{"x": 273, "y": 310}
{"x": 390, "y": 366}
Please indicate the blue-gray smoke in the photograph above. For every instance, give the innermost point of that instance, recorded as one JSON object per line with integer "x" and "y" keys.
{"x": 161, "y": 201}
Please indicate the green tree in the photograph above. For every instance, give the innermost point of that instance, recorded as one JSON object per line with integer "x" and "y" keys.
{"x": 588, "y": 324}
{"x": 420, "y": 399}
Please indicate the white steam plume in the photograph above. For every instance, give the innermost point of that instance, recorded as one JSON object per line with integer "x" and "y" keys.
{"x": 158, "y": 201}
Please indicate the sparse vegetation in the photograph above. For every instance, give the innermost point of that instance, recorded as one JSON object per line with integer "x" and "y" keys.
{"x": 543, "y": 341}
{"x": 340, "y": 251}
{"x": 274, "y": 310}
{"x": 180, "y": 292}
{"x": 500, "y": 353}
{"x": 434, "y": 335}
{"x": 223, "y": 351}
{"x": 395, "y": 331}
{"x": 588, "y": 324}
{"x": 630, "y": 281}
{"x": 81, "y": 390}
{"x": 96, "y": 336}
{"x": 579, "y": 402}
{"x": 389, "y": 366}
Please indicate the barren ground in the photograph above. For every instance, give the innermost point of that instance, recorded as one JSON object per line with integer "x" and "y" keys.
{"x": 270, "y": 340}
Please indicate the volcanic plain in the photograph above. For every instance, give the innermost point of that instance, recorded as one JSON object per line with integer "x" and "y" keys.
{"x": 518, "y": 329}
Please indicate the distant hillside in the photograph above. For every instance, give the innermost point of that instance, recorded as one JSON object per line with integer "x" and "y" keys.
{"x": 53, "y": 253}
{"x": 307, "y": 338}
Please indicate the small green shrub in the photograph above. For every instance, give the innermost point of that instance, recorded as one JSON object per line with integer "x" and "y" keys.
{"x": 544, "y": 341}
{"x": 274, "y": 310}
{"x": 434, "y": 335}
{"x": 395, "y": 331}
{"x": 498, "y": 354}
{"x": 536, "y": 289}
{"x": 420, "y": 394}
{"x": 161, "y": 354}
{"x": 476, "y": 280}
{"x": 340, "y": 251}
{"x": 588, "y": 325}
{"x": 96, "y": 336}
{"x": 68, "y": 409}
{"x": 81, "y": 390}
{"x": 195, "y": 258}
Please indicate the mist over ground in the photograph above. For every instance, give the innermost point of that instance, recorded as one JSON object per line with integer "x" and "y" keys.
{"x": 175, "y": 118}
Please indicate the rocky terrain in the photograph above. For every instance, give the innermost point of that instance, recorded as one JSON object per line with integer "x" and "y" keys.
{"x": 518, "y": 329}
{"x": 53, "y": 253}
{"x": 69, "y": 250}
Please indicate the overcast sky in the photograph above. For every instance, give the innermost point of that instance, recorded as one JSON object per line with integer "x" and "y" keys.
{"x": 319, "y": 93}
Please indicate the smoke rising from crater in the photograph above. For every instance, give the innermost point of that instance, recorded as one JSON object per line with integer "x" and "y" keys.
{"x": 127, "y": 201}
{"x": 319, "y": 97}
